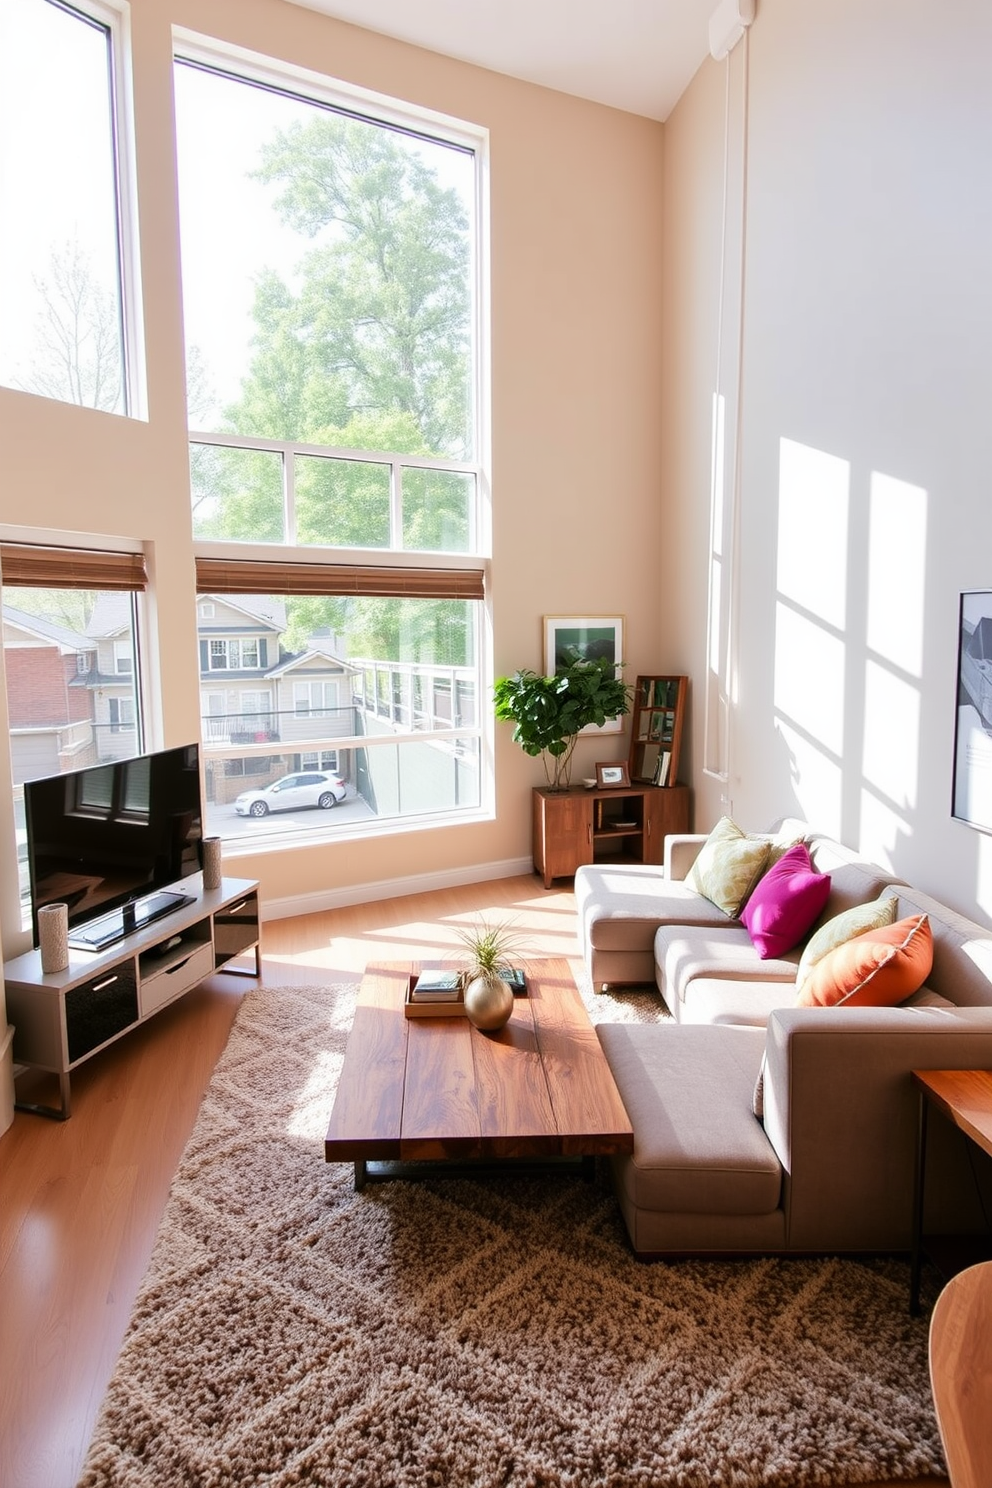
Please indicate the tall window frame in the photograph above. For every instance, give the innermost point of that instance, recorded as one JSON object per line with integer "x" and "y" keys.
{"x": 38, "y": 562}
{"x": 275, "y": 568}
{"x": 114, "y": 20}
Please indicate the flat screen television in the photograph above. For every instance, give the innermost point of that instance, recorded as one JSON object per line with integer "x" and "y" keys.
{"x": 109, "y": 840}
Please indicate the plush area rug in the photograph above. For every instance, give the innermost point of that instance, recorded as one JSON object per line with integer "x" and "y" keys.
{"x": 483, "y": 1332}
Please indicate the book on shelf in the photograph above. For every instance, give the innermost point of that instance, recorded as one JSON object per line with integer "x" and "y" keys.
{"x": 663, "y": 767}
{"x": 650, "y": 754}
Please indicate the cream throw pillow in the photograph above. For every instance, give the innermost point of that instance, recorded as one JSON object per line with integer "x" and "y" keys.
{"x": 728, "y": 866}
{"x": 844, "y": 927}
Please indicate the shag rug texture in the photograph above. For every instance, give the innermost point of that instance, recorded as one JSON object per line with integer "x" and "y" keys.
{"x": 483, "y": 1332}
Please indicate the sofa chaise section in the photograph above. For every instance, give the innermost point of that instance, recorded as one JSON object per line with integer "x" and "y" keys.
{"x": 831, "y": 1166}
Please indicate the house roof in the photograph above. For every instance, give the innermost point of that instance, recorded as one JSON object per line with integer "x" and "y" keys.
{"x": 258, "y": 607}
{"x": 67, "y": 640}
{"x": 303, "y": 658}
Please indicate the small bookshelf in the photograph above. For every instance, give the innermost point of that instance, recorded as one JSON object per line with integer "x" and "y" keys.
{"x": 657, "y": 715}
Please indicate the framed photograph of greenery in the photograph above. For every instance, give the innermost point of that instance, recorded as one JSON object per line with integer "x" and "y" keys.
{"x": 572, "y": 638}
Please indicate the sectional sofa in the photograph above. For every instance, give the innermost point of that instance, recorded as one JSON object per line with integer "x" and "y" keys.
{"x": 760, "y": 1125}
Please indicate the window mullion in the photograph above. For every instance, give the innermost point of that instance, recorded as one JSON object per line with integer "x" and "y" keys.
{"x": 289, "y": 495}
{"x": 395, "y": 505}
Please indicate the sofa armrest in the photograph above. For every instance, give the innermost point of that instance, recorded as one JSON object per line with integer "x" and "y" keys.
{"x": 681, "y": 851}
{"x": 841, "y": 1112}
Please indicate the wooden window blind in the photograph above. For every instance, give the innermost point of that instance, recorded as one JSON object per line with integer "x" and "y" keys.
{"x": 35, "y": 567}
{"x": 249, "y": 576}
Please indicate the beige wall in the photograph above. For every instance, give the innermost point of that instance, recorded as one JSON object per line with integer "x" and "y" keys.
{"x": 576, "y": 315}
{"x": 867, "y": 441}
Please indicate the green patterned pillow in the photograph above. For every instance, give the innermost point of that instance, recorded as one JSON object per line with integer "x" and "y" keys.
{"x": 728, "y": 866}
{"x": 844, "y": 927}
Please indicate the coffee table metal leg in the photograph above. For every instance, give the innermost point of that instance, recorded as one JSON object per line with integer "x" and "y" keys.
{"x": 360, "y": 1174}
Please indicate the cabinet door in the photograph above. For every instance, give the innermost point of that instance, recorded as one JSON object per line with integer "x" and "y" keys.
{"x": 666, "y": 809}
{"x": 562, "y": 833}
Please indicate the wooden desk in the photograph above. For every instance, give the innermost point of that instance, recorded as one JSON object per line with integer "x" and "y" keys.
{"x": 965, "y": 1098}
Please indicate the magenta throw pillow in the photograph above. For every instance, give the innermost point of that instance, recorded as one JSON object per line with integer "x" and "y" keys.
{"x": 785, "y": 903}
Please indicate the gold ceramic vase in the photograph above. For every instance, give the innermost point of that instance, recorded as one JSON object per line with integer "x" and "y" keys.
{"x": 488, "y": 1002}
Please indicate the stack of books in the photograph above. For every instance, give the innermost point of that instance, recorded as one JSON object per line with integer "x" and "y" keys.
{"x": 662, "y": 768}
{"x": 437, "y": 986}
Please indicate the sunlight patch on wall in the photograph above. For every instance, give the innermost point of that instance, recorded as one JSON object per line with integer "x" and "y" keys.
{"x": 809, "y": 678}
{"x": 883, "y": 826}
{"x": 813, "y": 499}
{"x": 896, "y": 572}
{"x": 718, "y": 619}
{"x": 816, "y": 781}
{"x": 891, "y": 736}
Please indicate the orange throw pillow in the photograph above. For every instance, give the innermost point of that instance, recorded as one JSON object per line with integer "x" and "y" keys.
{"x": 877, "y": 969}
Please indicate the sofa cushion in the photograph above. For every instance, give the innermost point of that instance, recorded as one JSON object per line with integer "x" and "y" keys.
{"x": 687, "y": 1091}
{"x": 878, "y": 969}
{"x": 728, "y": 866}
{"x": 621, "y": 906}
{"x": 844, "y": 927}
{"x": 853, "y": 879}
{"x": 745, "y": 1003}
{"x": 785, "y": 903}
{"x": 684, "y": 952}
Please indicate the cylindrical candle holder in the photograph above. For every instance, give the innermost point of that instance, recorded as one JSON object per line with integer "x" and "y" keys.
{"x": 212, "y": 870}
{"x": 53, "y": 937}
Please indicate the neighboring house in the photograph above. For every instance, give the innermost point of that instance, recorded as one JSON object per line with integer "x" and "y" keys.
{"x": 251, "y": 692}
{"x": 111, "y": 682}
{"x": 239, "y": 648}
{"x": 313, "y": 693}
{"x": 49, "y": 705}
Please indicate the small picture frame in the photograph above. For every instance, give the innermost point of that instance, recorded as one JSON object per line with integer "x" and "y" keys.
{"x": 612, "y": 774}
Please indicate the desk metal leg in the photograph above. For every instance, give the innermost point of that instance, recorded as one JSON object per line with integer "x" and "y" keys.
{"x": 916, "y": 1255}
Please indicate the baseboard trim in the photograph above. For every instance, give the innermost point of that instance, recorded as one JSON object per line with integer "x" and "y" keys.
{"x": 391, "y": 888}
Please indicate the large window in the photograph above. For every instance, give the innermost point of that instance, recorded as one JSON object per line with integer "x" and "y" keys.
{"x": 62, "y": 252}
{"x": 61, "y": 605}
{"x": 332, "y": 293}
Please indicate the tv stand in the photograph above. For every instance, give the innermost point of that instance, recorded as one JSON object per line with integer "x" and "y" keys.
{"x": 63, "y": 1018}
{"x": 109, "y": 928}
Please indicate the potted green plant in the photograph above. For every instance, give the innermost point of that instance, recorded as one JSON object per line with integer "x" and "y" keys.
{"x": 490, "y": 949}
{"x": 548, "y": 713}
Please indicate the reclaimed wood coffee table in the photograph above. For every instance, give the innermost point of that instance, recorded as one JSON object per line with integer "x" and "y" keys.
{"x": 434, "y": 1090}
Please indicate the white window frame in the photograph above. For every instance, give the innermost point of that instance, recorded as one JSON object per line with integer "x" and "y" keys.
{"x": 192, "y": 46}
{"x": 117, "y": 20}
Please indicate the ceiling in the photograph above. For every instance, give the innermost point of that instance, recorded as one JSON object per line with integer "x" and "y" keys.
{"x": 636, "y": 55}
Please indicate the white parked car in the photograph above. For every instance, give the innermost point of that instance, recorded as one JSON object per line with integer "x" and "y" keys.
{"x": 291, "y": 792}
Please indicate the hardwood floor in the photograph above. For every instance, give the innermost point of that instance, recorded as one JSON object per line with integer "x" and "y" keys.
{"x": 80, "y": 1201}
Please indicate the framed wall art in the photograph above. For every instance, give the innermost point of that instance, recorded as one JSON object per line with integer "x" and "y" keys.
{"x": 572, "y": 638}
{"x": 971, "y": 799}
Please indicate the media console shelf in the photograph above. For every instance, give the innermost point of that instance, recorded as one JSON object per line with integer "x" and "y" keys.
{"x": 62, "y": 1018}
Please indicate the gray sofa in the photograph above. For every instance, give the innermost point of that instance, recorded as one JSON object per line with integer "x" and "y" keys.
{"x": 828, "y": 1165}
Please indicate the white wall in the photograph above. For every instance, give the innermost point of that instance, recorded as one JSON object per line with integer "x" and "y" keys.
{"x": 866, "y": 435}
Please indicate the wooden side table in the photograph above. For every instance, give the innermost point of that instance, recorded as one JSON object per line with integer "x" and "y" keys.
{"x": 965, "y": 1098}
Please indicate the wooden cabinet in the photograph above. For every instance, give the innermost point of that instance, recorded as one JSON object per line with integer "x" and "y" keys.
{"x": 656, "y": 717}
{"x": 61, "y": 1018}
{"x": 629, "y": 824}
